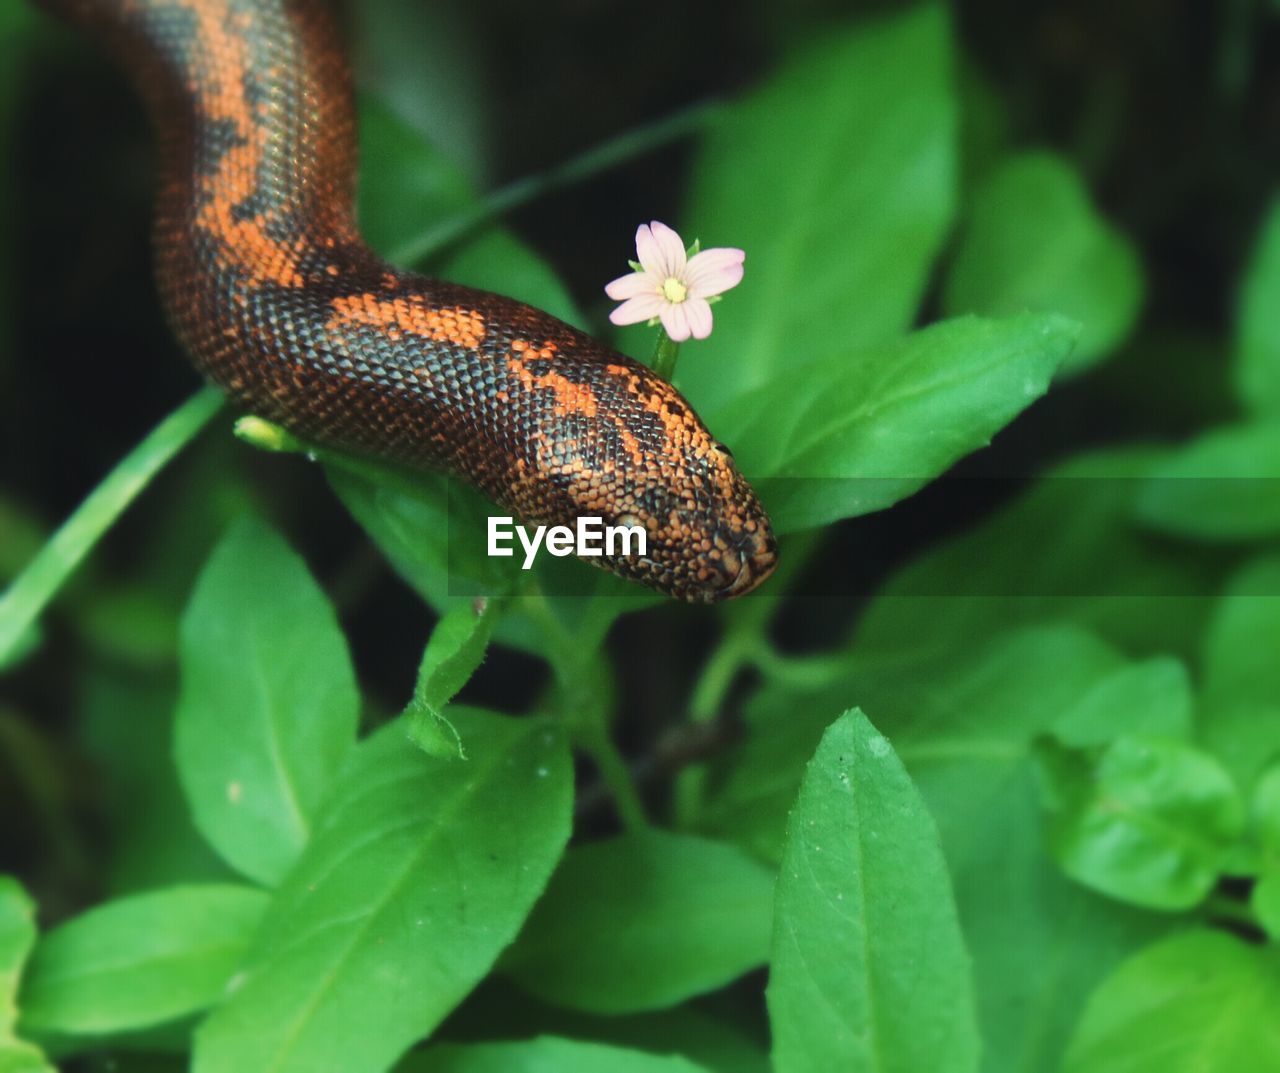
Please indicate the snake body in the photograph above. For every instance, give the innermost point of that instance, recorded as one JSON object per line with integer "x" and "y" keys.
{"x": 275, "y": 296}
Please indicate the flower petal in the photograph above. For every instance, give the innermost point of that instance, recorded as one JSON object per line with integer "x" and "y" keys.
{"x": 640, "y": 308}
{"x": 698, "y": 313}
{"x": 630, "y": 286}
{"x": 675, "y": 319}
{"x": 648, "y": 253}
{"x": 714, "y": 271}
{"x": 671, "y": 248}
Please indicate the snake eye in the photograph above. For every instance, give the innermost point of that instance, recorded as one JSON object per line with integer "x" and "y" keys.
{"x": 721, "y": 449}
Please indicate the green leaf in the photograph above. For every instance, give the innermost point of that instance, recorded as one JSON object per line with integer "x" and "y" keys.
{"x": 1243, "y": 636}
{"x": 984, "y": 123}
{"x": 269, "y": 707}
{"x": 1150, "y": 821}
{"x": 126, "y": 721}
{"x": 1222, "y": 486}
{"x": 432, "y": 530}
{"x": 1266, "y": 814}
{"x": 841, "y": 189}
{"x": 869, "y": 970}
{"x": 410, "y": 192}
{"x": 495, "y": 260}
{"x": 429, "y": 527}
{"x": 453, "y": 653}
{"x": 644, "y": 921}
{"x": 1265, "y": 898}
{"x": 1200, "y": 1002}
{"x": 963, "y": 722}
{"x": 141, "y": 960}
{"x": 1240, "y": 710}
{"x": 1068, "y": 551}
{"x": 1034, "y": 242}
{"x": 419, "y": 872}
{"x": 1189, "y": 363}
{"x": 859, "y": 431}
{"x": 983, "y": 706}
{"x": 728, "y": 1043}
{"x": 17, "y": 1057}
{"x": 427, "y": 64}
{"x": 1042, "y": 944}
{"x": 1257, "y": 366}
{"x": 717, "y": 1031}
{"x": 546, "y": 1054}
{"x": 406, "y": 184}
{"x": 1153, "y": 697}
{"x": 965, "y": 732}
{"x": 17, "y": 937}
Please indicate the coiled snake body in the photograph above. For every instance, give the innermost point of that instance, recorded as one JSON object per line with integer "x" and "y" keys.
{"x": 272, "y": 291}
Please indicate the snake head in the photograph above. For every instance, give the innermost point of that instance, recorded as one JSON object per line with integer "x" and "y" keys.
{"x": 709, "y": 538}
{"x": 573, "y": 431}
{"x": 651, "y": 463}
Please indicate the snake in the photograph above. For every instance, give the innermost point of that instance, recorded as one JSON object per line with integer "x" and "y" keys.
{"x": 272, "y": 292}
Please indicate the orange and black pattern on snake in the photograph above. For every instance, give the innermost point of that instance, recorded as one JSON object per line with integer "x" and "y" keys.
{"x": 271, "y": 290}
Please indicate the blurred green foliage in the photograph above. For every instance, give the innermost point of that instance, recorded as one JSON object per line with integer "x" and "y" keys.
{"x": 609, "y": 834}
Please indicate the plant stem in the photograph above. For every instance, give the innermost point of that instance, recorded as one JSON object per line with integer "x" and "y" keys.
{"x": 730, "y": 657}
{"x": 745, "y": 644}
{"x": 613, "y": 770}
{"x": 32, "y": 589}
{"x": 583, "y": 708}
{"x": 665, "y": 355}
{"x": 745, "y": 641}
{"x": 609, "y": 154}
{"x": 801, "y": 672}
{"x": 734, "y": 652}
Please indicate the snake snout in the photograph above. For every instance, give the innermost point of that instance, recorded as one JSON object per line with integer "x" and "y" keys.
{"x": 746, "y": 563}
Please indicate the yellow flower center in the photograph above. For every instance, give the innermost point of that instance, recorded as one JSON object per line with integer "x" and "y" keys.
{"x": 673, "y": 290}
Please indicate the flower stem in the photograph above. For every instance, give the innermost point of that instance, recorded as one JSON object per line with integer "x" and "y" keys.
{"x": 32, "y": 589}
{"x": 665, "y": 355}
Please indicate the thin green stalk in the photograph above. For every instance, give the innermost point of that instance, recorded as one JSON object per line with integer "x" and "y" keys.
{"x": 801, "y": 672}
{"x": 745, "y": 644}
{"x": 613, "y": 770}
{"x": 736, "y": 651}
{"x": 665, "y": 356}
{"x": 609, "y": 154}
{"x": 32, "y": 589}
{"x": 582, "y": 710}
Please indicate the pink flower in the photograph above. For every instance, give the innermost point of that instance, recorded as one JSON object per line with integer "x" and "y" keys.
{"x": 670, "y": 286}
